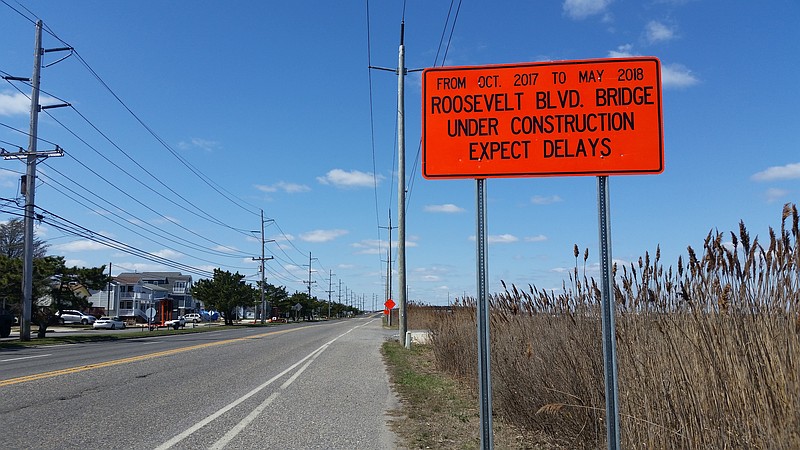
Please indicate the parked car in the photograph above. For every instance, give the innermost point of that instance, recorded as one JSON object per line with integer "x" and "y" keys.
{"x": 72, "y": 316}
{"x": 180, "y": 322}
{"x": 193, "y": 317}
{"x": 109, "y": 323}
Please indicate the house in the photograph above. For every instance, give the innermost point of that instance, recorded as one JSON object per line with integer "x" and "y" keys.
{"x": 130, "y": 295}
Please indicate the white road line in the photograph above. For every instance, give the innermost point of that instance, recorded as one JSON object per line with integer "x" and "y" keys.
{"x": 230, "y": 435}
{"x": 311, "y": 356}
{"x": 25, "y": 357}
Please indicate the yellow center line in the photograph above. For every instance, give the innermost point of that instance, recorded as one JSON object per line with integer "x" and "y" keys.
{"x": 69, "y": 370}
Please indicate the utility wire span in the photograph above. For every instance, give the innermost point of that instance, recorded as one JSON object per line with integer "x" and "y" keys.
{"x": 115, "y": 186}
{"x": 372, "y": 131}
{"x": 127, "y": 194}
{"x": 203, "y": 177}
{"x": 194, "y": 170}
{"x": 205, "y": 215}
{"x": 70, "y": 227}
{"x": 136, "y": 223}
{"x": 415, "y": 166}
{"x": 197, "y": 172}
{"x": 435, "y": 63}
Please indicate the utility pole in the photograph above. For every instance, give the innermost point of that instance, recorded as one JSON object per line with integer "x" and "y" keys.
{"x": 309, "y": 282}
{"x": 401, "y": 188}
{"x": 29, "y": 184}
{"x": 401, "y": 72}
{"x": 389, "y": 268}
{"x": 329, "y": 291}
{"x": 263, "y": 273}
{"x": 340, "y": 294}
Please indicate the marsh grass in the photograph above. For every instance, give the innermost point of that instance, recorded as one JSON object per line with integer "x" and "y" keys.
{"x": 708, "y": 353}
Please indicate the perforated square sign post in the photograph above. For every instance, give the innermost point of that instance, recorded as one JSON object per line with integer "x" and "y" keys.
{"x": 597, "y": 117}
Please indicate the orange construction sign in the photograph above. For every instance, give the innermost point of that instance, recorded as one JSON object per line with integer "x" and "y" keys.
{"x": 590, "y": 117}
{"x": 389, "y": 304}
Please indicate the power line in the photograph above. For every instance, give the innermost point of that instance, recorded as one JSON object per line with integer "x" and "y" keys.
{"x": 73, "y": 228}
{"x": 203, "y": 177}
{"x": 195, "y": 171}
{"x": 435, "y": 62}
{"x": 205, "y": 216}
{"x": 135, "y": 223}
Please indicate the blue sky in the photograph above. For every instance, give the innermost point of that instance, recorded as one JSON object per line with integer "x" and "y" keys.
{"x": 230, "y": 108}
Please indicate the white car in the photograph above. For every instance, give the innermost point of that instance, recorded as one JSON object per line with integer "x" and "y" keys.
{"x": 109, "y": 323}
{"x": 193, "y": 317}
{"x": 72, "y": 316}
{"x": 180, "y": 322}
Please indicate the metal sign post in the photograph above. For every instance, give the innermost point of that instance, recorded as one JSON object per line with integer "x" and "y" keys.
{"x": 484, "y": 359}
{"x": 608, "y": 307}
{"x": 596, "y": 117}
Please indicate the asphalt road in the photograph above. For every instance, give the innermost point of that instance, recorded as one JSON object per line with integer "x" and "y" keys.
{"x": 310, "y": 386}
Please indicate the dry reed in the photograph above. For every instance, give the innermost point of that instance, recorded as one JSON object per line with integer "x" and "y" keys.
{"x": 707, "y": 353}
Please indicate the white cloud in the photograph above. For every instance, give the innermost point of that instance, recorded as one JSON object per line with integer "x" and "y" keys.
{"x": 345, "y": 179}
{"x": 9, "y": 178}
{"x": 538, "y": 238}
{"x": 283, "y": 237}
{"x": 80, "y": 246}
{"x": 75, "y": 263}
{"x": 374, "y": 246}
{"x": 433, "y": 273}
{"x": 581, "y": 9}
{"x": 322, "y": 235}
{"x": 502, "y": 239}
{"x": 370, "y": 246}
{"x": 165, "y": 219}
{"x": 672, "y": 75}
{"x": 676, "y": 75}
{"x": 224, "y": 249}
{"x": 202, "y": 144}
{"x": 787, "y": 172}
{"x": 166, "y": 253}
{"x": 542, "y": 200}
{"x": 445, "y": 208}
{"x": 658, "y": 32}
{"x": 623, "y": 51}
{"x": 499, "y": 238}
{"x": 14, "y": 104}
{"x": 289, "y": 188}
{"x": 775, "y": 194}
{"x": 130, "y": 266}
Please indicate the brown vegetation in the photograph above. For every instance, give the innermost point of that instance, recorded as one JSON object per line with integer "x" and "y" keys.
{"x": 708, "y": 353}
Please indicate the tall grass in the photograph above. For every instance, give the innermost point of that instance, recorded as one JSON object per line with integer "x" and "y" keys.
{"x": 708, "y": 353}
